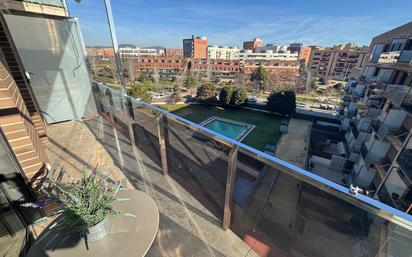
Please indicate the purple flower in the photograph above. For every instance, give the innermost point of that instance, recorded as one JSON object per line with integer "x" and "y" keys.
{"x": 41, "y": 204}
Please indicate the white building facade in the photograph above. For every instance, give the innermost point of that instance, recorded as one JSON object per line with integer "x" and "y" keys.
{"x": 135, "y": 52}
{"x": 223, "y": 52}
{"x": 267, "y": 55}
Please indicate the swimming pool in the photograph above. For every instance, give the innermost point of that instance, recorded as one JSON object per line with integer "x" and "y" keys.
{"x": 229, "y": 128}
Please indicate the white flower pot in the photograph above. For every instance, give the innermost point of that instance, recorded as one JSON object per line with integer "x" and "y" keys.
{"x": 98, "y": 231}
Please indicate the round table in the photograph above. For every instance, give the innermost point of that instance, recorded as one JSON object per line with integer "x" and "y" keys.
{"x": 128, "y": 235}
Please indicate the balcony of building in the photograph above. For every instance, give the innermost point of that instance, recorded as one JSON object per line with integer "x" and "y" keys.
{"x": 202, "y": 181}
{"x": 216, "y": 196}
{"x": 389, "y": 57}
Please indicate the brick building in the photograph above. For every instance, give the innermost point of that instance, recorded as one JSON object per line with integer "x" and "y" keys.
{"x": 280, "y": 70}
{"x": 195, "y": 47}
{"x": 337, "y": 62}
{"x": 252, "y": 45}
{"x": 161, "y": 63}
{"x": 224, "y": 66}
{"x": 173, "y": 52}
{"x": 103, "y": 52}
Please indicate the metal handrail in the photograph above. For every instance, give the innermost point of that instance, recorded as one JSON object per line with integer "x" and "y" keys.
{"x": 362, "y": 201}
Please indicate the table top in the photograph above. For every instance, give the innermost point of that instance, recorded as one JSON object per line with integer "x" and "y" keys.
{"x": 128, "y": 235}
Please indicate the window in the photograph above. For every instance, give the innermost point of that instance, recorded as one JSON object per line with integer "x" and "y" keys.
{"x": 402, "y": 78}
{"x": 376, "y": 52}
{"x": 397, "y": 44}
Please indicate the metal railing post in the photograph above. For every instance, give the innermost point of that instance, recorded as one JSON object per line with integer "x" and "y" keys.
{"x": 230, "y": 181}
{"x": 162, "y": 142}
{"x": 119, "y": 71}
{"x": 113, "y": 123}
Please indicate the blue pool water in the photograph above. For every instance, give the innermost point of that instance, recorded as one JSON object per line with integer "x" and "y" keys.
{"x": 225, "y": 128}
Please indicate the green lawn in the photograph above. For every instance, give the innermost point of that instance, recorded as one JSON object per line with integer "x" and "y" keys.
{"x": 265, "y": 132}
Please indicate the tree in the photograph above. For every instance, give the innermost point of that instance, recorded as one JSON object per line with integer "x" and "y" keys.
{"x": 261, "y": 76}
{"x": 140, "y": 92}
{"x": 303, "y": 70}
{"x": 239, "y": 97}
{"x": 175, "y": 97}
{"x": 283, "y": 102}
{"x": 190, "y": 81}
{"x": 144, "y": 77}
{"x": 206, "y": 92}
{"x": 226, "y": 94}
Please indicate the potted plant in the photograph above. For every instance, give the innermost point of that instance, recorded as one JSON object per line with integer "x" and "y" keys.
{"x": 83, "y": 205}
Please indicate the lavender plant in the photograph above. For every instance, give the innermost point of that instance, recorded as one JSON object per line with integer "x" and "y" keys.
{"x": 82, "y": 203}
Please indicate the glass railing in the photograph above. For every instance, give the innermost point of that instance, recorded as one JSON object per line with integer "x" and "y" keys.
{"x": 405, "y": 56}
{"x": 277, "y": 208}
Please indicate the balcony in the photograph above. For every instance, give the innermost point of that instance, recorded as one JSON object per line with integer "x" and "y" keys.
{"x": 203, "y": 182}
{"x": 213, "y": 181}
{"x": 405, "y": 57}
{"x": 389, "y": 57}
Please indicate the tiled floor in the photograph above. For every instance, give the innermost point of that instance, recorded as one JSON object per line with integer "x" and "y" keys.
{"x": 187, "y": 228}
{"x": 11, "y": 246}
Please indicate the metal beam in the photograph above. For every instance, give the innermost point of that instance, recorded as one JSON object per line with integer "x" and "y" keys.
{"x": 230, "y": 181}
{"x": 162, "y": 142}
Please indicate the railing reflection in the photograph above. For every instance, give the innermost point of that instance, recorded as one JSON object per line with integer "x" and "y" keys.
{"x": 276, "y": 207}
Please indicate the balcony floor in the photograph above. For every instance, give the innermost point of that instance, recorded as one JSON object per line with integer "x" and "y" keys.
{"x": 186, "y": 228}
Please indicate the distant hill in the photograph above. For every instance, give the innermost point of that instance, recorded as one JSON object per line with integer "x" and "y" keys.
{"x": 127, "y": 45}
{"x": 156, "y": 47}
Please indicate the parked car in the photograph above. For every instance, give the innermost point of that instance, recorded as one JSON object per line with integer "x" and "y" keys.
{"x": 159, "y": 96}
{"x": 252, "y": 100}
{"x": 323, "y": 106}
{"x": 331, "y": 107}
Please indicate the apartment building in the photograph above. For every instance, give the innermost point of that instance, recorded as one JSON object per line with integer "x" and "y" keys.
{"x": 253, "y": 44}
{"x": 267, "y": 55}
{"x": 281, "y": 70}
{"x": 216, "y": 67}
{"x": 223, "y": 52}
{"x": 195, "y": 47}
{"x": 164, "y": 64}
{"x": 379, "y": 120}
{"x": 136, "y": 52}
{"x": 272, "y": 47}
{"x": 102, "y": 52}
{"x": 337, "y": 62}
{"x": 303, "y": 51}
{"x": 173, "y": 52}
